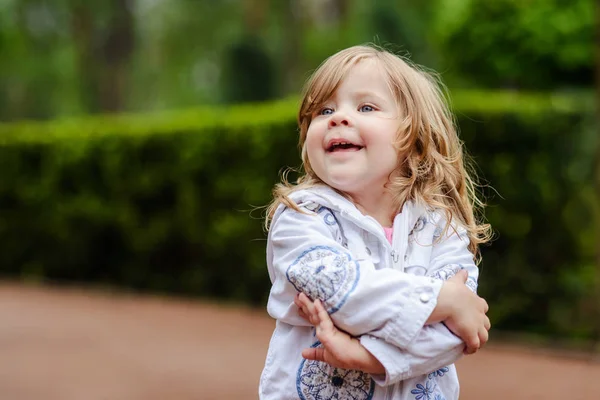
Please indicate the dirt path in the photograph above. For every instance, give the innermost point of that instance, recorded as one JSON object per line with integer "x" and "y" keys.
{"x": 72, "y": 345}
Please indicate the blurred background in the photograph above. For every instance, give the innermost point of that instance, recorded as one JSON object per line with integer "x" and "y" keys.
{"x": 138, "y": 139}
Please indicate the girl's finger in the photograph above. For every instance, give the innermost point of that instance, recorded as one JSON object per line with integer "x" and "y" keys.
{"x": 487, "y": 323}
{"x": 324, "y": 320}
{"x": 297, "y": 301}
{"x": 483, "y": 337}
{"x": 303, "y": 315}
{"x": 472, "y": 343}
{"x": 304, "y": 301}
{"x": 307, "y": 304}
{"x": 300, "y": 305}
{"x": 486, "y": 306}
{"x": 314, "y": 353}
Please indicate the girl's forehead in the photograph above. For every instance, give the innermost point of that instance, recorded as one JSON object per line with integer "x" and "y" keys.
{"x": 364, "y": 78}
{"x": 365, "y": 73}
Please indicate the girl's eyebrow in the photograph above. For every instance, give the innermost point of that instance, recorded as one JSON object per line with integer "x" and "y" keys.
{"x": 367, "y": 94}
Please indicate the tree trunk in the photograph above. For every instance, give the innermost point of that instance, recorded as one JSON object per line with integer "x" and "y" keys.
{"x": 88, "y": 63}
{"x": 117, "y": 48}
{"x": 292, "y": 50}
{"x": 103, "y": 53}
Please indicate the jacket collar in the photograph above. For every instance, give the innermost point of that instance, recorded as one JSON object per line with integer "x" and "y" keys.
{"x": 325, "y": 196}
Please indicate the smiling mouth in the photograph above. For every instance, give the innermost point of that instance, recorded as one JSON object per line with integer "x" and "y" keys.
{"x": 343, "y": 146}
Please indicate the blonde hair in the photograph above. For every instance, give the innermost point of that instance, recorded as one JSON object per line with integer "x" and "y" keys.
{"x": 432, "y": 170}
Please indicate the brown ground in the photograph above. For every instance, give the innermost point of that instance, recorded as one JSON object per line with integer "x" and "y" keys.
{"x": 58, "y": 344}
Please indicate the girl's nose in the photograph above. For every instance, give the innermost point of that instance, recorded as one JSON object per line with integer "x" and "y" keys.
{"x": 339, "y": 118}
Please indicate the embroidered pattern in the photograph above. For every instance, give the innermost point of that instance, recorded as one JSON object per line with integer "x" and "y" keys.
{"x": 428, "y": 390}
{"x": 437, "y": 233}
{"x": 450, "y": 270}
{"x": 471, "y": 284}
{"x": 424, "y": 392}
{"x": 330, "y": 220}
{"x": 317, "y": 380}
{"x": 447, "y": 271}
{"x": 419, "y": 225}
{"x": 439, "y": 372}
{"x": 325, "y": 273}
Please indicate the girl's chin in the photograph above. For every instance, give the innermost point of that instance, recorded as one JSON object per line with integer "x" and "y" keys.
{"x": 354, "y": 186}
{"x": 349, "y": 187}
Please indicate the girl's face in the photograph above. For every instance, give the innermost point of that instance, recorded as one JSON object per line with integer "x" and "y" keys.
{"x": 350, "y": 140}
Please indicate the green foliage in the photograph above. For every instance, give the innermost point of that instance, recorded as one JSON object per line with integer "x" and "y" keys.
{"x": 165, "y": 202}
{"x": 531, "y": 44}
{"x": 63, "y": 58}
{"x": 249, "y": 72}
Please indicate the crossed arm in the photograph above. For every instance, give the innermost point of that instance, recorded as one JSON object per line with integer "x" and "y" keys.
{"x": 381, "y": 307}
{"x": 339, "y": 348}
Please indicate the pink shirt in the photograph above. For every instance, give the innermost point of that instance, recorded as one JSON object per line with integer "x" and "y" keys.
{"x": 388, "y": 233}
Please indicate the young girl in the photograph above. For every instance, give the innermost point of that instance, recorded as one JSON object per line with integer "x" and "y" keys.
{"x": 380, "y": 234}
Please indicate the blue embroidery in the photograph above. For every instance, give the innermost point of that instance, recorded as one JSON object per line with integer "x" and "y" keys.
{"x": 317, "y": 380}
{"x": 439, "y": 372}
{"x": 437, "y": 233}
{"x": 330, "y": 220}
{"x": 424, "y": 392}
{"x": 447, "y": 271}
{"x": 471, "y": 284}
{"x": 419, "y": 225}
{"x": 427, "y": 392}
{"x": 325, "y": 273}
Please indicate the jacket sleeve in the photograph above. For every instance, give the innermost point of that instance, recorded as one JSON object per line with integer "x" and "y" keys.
{"x": 303, "y": 256}
{"x": 434, "y": 346}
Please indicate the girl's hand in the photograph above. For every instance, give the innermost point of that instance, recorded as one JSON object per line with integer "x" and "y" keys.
{"x": 463, "y": 312}
{"x": 339, "y": 349}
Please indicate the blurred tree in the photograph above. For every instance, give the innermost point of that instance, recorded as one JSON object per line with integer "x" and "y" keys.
{"x": 103, "y": 34}
{"x": 248, "y": 73}
{"x": 32, "y": 47}
{"x": 530, "y": 44}
{"x": 147, "y": 55}
{"x": 404, "y": 24}
{"x": 291, "y": 52}
{"x": 180, "y": 50}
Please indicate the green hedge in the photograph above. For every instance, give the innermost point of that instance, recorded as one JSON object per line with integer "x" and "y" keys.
{"x": 166, "y": 202}
{"x": 156, "y": 203}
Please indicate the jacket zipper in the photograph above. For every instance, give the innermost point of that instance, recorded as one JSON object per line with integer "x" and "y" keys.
{"x": 394, "y": 255}
{"x": 397, "y": 255}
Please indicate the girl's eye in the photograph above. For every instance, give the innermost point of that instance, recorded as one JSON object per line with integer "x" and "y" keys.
{"x": 326, "y": 111}
{"x": 366, "y": 108}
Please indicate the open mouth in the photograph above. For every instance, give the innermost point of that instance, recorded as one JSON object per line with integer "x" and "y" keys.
{"x": 342, "y": 146}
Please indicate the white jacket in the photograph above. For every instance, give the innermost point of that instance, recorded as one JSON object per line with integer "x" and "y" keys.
{"x": 379, "y": 292}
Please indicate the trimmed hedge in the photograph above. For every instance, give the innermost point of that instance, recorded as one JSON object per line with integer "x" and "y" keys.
{"x": 155, "y": 203}
{"x": 166, "y": 202}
